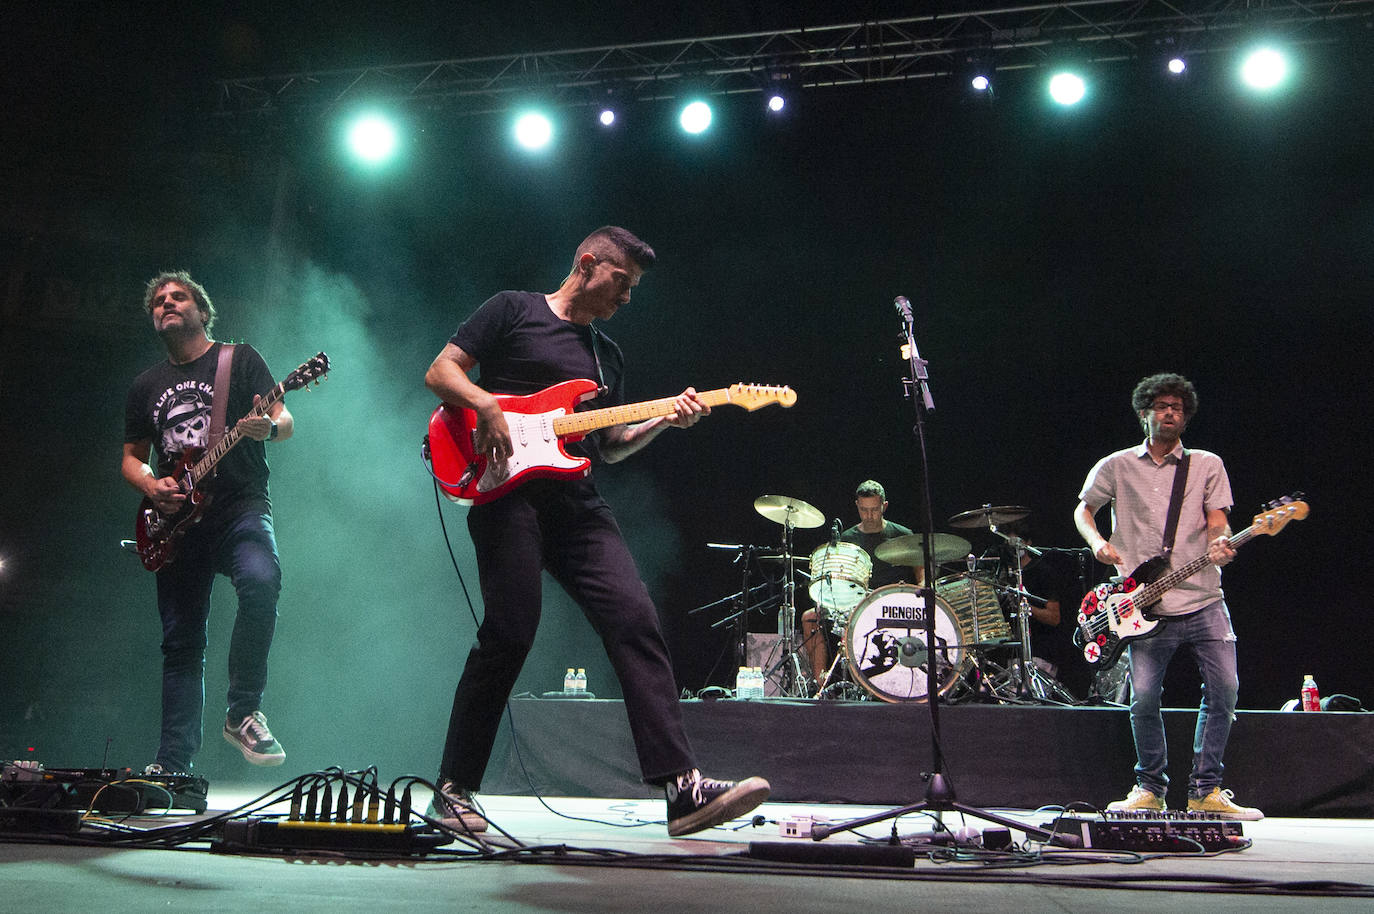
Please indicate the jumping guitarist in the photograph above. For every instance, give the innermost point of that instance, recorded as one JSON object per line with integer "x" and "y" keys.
{"x": 524, "y": 343}
{"x": 171, "y": 409}
{"x": 1148, "y": 486}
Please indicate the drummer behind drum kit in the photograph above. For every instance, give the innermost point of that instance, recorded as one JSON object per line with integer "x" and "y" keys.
{"x": 882, "y": 631}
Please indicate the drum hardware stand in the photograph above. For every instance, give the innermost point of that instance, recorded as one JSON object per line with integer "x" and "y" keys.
{"x": 740, "y": 601}
{"x": 788, "y": 672}
{"x": 940, "y": 796}
{"x": 1031, "y": 682}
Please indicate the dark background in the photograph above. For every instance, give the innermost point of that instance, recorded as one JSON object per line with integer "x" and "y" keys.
{"x": 1053, "y": 258}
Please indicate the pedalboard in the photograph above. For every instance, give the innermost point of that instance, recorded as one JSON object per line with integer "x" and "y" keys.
{"x": 1152, "y": 833}
{"x": 29, "y": 785}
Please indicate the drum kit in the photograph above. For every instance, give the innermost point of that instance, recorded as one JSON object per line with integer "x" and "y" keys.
{"x": 882, "y": 653}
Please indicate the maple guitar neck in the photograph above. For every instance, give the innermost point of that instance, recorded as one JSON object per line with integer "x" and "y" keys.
{"x": 593, "y": 419}
{"x": 233, "y": 436}
{"x": 1154, "y": 592}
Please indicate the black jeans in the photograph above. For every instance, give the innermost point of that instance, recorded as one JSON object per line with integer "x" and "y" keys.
{"x": 566, "y": 528}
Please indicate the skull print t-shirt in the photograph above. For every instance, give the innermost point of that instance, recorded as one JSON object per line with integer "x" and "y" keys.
{"x": 169, "y": 405}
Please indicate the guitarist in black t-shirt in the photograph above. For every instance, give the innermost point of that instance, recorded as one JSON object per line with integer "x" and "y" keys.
{"x": 169, "y": 411}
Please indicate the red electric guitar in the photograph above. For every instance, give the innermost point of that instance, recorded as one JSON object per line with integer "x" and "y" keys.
{"x": 156, "y": 534}
{"x": 540, "y": 424}
{"x": 1113, "y": 615}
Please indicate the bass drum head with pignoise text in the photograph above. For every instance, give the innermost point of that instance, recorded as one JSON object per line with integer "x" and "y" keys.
{"x": 888, "y": 628}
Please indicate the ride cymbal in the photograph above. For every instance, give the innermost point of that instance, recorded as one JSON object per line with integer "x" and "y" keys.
{"x": 988, "y": 516}
{"x": 908, "y": 550}
{"x": 783, "y": 510}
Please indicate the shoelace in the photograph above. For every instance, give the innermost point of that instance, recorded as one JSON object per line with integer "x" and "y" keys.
{"x": 258, "y": 726}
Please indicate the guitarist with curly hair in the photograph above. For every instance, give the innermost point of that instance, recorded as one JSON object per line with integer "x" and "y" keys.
{"x": 1140, "y": 484}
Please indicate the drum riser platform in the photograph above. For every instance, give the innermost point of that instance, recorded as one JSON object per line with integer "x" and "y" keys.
{"x": 1286, "y": 763}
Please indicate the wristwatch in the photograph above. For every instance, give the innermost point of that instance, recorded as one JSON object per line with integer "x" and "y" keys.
{"x": 272, "y": 435}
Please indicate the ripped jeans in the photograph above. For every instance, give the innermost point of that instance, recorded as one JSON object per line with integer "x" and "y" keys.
{"x": 1208, "y": 635}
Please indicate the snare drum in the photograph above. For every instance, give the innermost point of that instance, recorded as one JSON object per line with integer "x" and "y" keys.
{"x": 839, "y": 578}
{"x": 971, "y": 596}
{"x": 885, "y": 644}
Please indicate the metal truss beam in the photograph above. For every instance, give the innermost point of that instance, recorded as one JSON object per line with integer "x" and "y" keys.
{"x": 936, "y": 44}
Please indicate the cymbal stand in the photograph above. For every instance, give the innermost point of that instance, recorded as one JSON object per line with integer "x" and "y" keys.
{"x": 788, "y": 672}
{"x": 1031, "y": 683}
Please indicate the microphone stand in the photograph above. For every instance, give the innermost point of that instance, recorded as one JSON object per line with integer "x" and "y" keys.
{"x": 940, "y": 796}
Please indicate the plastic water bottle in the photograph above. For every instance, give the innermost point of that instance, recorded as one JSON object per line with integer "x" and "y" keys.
{"x": 742, "y": 682}
{"x": 581, "y": 683}
{"x": 570, "y": 682}
{"x": 1311, "y": 698}
{"x": 756, "y": 683}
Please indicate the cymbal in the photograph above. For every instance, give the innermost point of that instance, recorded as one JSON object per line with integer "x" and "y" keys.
{"x": 909, "y": 551}
{"x": 988, "y": 516}
{"x": 783, "y": 510}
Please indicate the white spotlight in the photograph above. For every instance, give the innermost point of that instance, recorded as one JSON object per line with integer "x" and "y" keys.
{"x": 1264, "y": 68}
{"x": 1177, "y": 65}
{"x": 533, "y": 131}
{"x": 776, "y": 103}
{"x": 607, "y": 117}
{"x": 372, "y": 139}
{"x": 980, "y": 83}
{"x": 1067, "y": 88}
{"x": 695, "y": 117}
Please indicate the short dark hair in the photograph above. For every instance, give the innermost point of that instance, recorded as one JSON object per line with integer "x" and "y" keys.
{"x": 198, "y": 292}
{"x": 871, "y": 487}
{"x": 614, "y": 240}
{"x": 1145, "y": 393}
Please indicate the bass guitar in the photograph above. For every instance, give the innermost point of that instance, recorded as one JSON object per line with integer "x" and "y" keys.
{"x": 540, "y": 425}
{"x": 156, "y": 534}
{"x": 1113, "y": 615}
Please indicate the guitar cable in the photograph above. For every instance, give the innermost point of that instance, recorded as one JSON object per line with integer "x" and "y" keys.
{"x": 510, "y": 718}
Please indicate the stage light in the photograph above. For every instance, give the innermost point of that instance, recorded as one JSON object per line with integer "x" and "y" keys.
{"x": 695, "y": 117}
{"x": 606, "y": 117}
{"x": 1177, "y": 65}
{"x": 776, "y": 103}
{"x": 533, "y": 131}
{"x": 1067, "y": 88}
{"x": 372, "y": 138}
{"x": 980, "y": 83}
{"x": 1264, "y": 68}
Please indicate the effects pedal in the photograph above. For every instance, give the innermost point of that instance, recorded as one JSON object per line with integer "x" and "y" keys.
{"x": 1176, "y": 833}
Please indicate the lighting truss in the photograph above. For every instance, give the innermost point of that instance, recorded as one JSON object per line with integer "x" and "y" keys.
{"x": 933, "y": 45}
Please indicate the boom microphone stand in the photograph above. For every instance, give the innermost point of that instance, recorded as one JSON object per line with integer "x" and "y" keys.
{"x": 940, "y": 796}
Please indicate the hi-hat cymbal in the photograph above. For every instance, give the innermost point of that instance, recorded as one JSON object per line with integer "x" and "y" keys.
{"x": 988, "y": 516}
{"x": 909, "y": 552}
{"x": 783, "y": 510}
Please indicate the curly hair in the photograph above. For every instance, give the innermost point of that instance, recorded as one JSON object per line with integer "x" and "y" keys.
{"x": 202, "y": 298}
{"x": 1150, "y": 388}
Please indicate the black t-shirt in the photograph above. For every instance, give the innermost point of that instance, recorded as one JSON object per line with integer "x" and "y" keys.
{"x": 883, "y": 573}
{"x": 170, "y": 405}
{"x": 522, "y": 347}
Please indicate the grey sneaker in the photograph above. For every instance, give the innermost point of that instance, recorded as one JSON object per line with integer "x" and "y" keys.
{"x": 251, "y": 737}
{"x": 456, "y": 809}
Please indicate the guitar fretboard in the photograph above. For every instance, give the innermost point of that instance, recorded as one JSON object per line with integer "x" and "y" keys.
{"x": 593, "y": 419}
{"x": 1155, "y": 591}
{"x": 232, "y": 436}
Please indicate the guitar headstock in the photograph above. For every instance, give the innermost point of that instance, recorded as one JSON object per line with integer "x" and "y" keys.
{"x": 752, "y": 396}
{"x": 313, "y": 369}
{"x": 1279, "y": 512}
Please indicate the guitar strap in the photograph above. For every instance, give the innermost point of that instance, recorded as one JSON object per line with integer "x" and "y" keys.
{"x": 219, "y": 407}
{"x": 1175, "y": 503}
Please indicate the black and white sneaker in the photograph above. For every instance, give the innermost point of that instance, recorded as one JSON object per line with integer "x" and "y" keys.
{"x": 251, "y": 737}
{"x": 696, "y": 803}
{"x": 455, "y": 808}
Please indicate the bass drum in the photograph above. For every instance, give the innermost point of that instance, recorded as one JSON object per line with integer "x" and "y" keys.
{"x": 885, "y": 645}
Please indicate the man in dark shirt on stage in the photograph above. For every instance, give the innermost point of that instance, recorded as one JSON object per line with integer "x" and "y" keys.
{"x": 525, "y": 342}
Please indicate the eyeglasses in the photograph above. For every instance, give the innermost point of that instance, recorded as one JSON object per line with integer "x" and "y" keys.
{"x": 1167, "y": 407}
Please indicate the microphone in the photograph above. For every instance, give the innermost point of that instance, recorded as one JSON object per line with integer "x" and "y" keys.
{"x": 903, "y": 307}
{"x": 835, "y": 533}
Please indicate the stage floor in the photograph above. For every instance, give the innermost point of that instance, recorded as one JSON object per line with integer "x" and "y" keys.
{"x": 645, "y": 870}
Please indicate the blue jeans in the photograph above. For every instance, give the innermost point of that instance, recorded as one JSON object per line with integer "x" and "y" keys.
{"x": 1207, "y": 633}
{"x": 243, "y": 547}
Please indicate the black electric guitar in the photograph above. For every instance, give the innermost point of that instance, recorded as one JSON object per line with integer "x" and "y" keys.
{"x": 1111, "y": 616}
{"x": 156, "y": 534}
